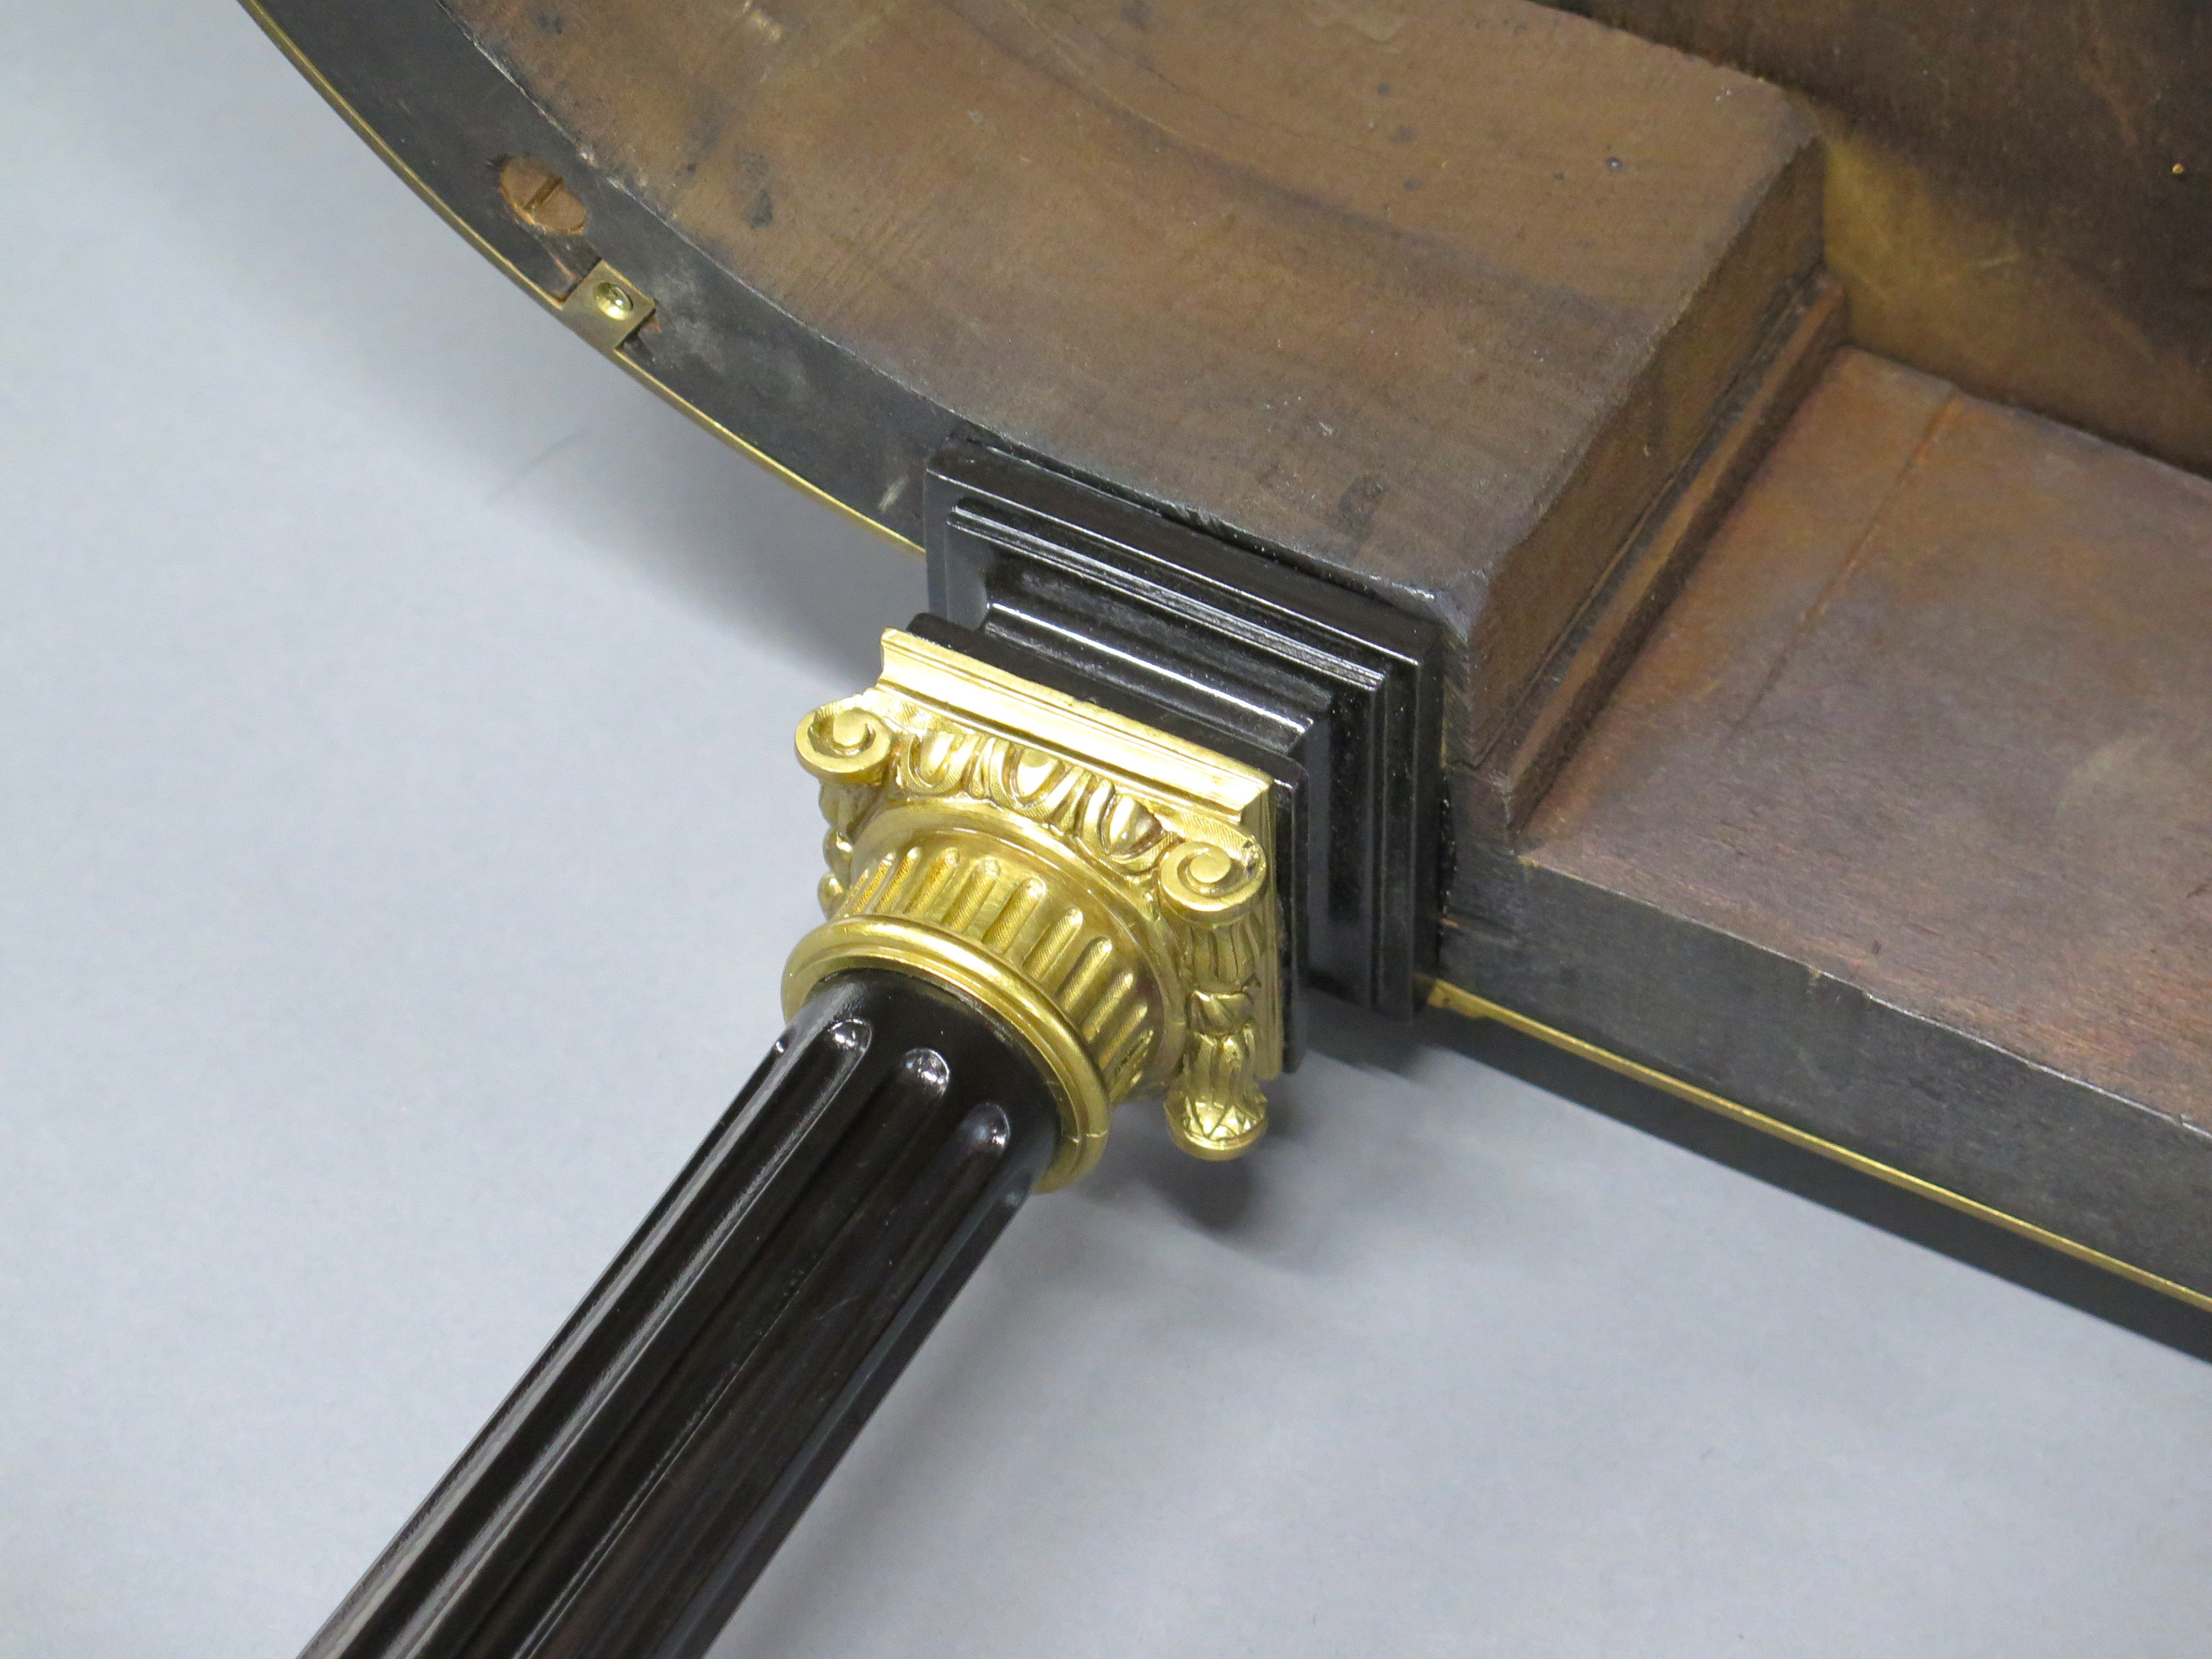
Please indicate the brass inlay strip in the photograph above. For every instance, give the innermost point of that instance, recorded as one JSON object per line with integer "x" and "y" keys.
{"x": 552, "y": 302}
{"x": 1457, "y": 1001}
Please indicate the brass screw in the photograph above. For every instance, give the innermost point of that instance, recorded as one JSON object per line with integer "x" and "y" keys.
{"x": 614, "y": 301}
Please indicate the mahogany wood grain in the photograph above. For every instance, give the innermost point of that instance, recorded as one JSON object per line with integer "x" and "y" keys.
{"x": 2020, "y": 197}
{"x": 1436, "y": 295}
{"x": 1499, "y": 791}
{"x": 1901, "y": 826}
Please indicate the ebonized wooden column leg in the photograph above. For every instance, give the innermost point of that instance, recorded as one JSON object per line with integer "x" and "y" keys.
{"x": 628, "y": 1492}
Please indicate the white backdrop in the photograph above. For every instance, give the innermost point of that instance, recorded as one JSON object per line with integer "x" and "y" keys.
{"x": 399, "y": 842}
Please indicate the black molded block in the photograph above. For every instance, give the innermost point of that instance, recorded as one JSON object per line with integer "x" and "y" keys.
{"x": 1335, "y": 692}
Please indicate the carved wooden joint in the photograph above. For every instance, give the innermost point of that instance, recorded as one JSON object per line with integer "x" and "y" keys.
{"x": 1105, "y": 890}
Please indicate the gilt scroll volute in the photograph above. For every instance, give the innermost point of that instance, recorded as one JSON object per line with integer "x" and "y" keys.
{"x": 1106, "y": 890}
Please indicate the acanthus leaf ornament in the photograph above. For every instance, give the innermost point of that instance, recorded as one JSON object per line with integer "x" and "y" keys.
{"x": 1104, "y": 889}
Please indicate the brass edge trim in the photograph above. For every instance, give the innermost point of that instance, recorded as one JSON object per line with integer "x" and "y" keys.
{"x": 1452, "y": 999}
{"x": 760, "y": 457}
{"x": 390, "y": 158}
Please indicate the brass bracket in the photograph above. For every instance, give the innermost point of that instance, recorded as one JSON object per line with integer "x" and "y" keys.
{"x": 606, "y": 307}
{"x": 1105, "y": 890}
